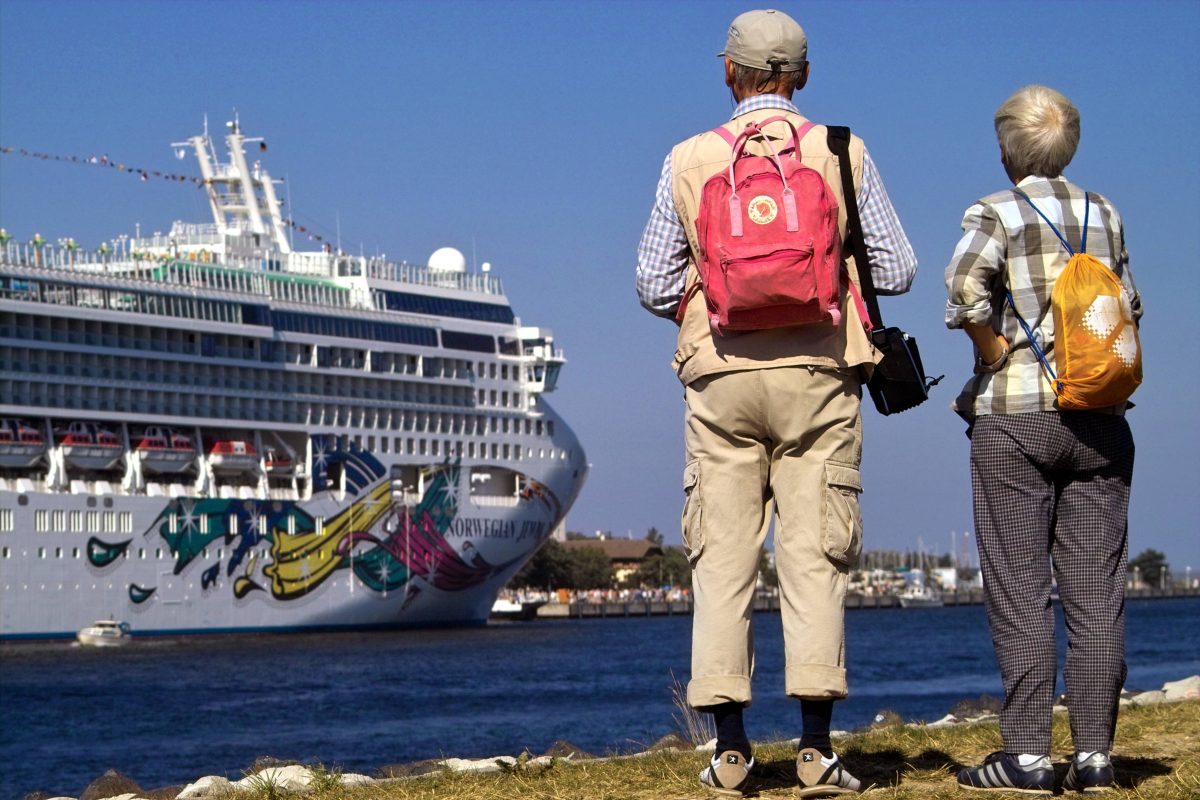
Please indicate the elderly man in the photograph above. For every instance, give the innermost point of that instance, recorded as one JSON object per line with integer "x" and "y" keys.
{"x": 772, "y": 421}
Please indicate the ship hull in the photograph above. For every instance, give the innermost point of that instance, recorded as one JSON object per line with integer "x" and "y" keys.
{"x": 354, "y": 555}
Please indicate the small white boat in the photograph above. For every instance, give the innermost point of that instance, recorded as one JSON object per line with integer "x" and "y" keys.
{"x": 920, "y": 597}
{"x": 87, "y": 445}
{"x": 105, "y": 633}
{"x": 164, "y": 450}
{"x": 21, "y": 445}
{"x": 233, "y": 457}
{"x": 276, "y": 462}
{"x": 508, "y": 608}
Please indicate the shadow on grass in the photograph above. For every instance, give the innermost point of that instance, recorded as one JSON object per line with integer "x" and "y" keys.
{"x": 873, "y": 768}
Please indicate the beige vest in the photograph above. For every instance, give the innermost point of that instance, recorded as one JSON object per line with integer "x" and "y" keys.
{"x": 700, "y": 352}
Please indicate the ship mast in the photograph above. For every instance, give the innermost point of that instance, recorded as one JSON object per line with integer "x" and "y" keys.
{"x": 242, "y": 199}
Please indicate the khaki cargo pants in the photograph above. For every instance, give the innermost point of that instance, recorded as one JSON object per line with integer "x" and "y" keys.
{"x": 788, "y": 438}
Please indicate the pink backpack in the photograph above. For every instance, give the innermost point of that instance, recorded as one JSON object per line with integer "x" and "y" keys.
{"x": 768, "y": 234}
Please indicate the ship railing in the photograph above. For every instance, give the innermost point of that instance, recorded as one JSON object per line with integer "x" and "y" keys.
{"x": 126, "y": 256}
{"x": 404, "y": 272}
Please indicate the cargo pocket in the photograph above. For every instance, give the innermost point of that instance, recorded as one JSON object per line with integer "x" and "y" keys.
{"x": 842, "y": 537}
{"x": 693, "y": 536}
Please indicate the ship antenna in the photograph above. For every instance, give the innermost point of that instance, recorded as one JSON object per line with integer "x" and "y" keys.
{"x": 291, "y": 228}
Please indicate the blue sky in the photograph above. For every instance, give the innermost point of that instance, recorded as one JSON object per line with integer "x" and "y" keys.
{"x": 530, "y": 135}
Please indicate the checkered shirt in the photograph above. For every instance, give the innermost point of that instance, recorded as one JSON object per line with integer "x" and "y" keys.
{"x": 663, "y": 252}
{"x": 1006, "y": 244}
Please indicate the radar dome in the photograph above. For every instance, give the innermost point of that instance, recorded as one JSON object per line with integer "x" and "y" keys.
{"x": 447, "y": 259}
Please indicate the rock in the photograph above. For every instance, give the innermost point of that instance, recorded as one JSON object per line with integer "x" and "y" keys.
{"x": 708, "y": 747}
{"x": 1148, "y": 698}
{"x": 426, "y": 767}
{"x": 293, "y": 776}
{"x": 209, "y": 784}
{"x": 565, "y": 749}
{"x": 37, "y": 796}
{"x": 672, "y": 741}
{"x": 110, "y": 784}
{"x": 945, "y": 722}
{"x": 984, "y": 705}
{"x": 266, "y": 762}
{"x": 165, "y": 793}
{"x": 354, "y": 779}
{"x": 1186, "y": 689}
{"x": 126, "y": 796}
{"x": 480, "y": 766}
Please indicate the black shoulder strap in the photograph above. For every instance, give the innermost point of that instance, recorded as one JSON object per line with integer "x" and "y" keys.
{"x": 839, "y": 144}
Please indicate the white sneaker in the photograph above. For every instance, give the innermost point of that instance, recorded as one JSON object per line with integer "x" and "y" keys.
{"x": 726, "y": 773}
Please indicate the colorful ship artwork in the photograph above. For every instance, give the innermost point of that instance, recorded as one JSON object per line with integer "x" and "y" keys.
{"x": 346, "y": 443}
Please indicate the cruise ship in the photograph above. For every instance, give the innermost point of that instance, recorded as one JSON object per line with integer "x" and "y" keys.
{"x": 208, "y": 431}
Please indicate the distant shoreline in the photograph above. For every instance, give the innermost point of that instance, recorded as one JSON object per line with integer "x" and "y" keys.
{"x": 585, "y": 609}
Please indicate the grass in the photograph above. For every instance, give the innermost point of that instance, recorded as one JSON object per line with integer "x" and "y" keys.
{"x": 1157, "y": 757}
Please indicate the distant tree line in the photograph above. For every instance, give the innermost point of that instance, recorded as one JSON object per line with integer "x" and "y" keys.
{"x": 582, "y": 569}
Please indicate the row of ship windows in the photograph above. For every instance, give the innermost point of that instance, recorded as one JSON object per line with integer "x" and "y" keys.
{"x": 204, "y": 310}
{"x": 217, "y": 376}
{"x": 233, "y": 406}
{"x": 159, "y": 553}
{"x": 80, "y": 522}
{"x": 120, "y": 336}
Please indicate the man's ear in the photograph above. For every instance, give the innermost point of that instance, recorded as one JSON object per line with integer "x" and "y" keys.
{"x": 803, "y": 79}
{"x": 728, "y": 72}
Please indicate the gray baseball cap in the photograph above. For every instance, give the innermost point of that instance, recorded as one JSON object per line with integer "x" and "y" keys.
{"x": 760, "y": 39}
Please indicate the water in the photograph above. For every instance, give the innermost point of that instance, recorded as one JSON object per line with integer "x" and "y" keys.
{"x": 167, "y": 711}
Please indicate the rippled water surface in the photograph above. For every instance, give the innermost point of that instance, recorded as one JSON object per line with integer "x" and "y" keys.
{"x": 166, "y": 711}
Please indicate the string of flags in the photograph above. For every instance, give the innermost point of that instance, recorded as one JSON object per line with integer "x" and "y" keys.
{"x": 144, "y": 175}
{"x": 104, "y": 161}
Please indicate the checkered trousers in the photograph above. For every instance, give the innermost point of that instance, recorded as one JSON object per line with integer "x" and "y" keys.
{"x": 1051, "y": 492}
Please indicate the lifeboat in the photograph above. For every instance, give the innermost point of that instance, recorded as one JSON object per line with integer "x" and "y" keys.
{"x": 87, "y": 445}
{"x": 21, "y": 445}
{"x": 232, "y": 456}
{"x": 277, "y": 462}
{"x": 163, "y": 450}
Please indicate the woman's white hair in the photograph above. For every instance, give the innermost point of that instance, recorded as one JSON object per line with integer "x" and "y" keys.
{"x": 1038, "y": 129}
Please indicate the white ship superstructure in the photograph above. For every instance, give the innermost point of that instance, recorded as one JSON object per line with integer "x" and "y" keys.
{"x": 206, "y": 430}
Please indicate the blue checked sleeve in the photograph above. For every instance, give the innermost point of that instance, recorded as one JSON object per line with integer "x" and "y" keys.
{"x": 893, "y": 263}
{"x": 662, "y": 252}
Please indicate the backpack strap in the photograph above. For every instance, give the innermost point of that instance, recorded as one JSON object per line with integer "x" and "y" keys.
{"x": 793, "y": 145}
{"x": 1087, "y": 207}
{"x": 839, "y": 144}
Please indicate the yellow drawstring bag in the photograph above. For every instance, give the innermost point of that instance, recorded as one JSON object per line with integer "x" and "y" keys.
{"x": 1097, "y": 352}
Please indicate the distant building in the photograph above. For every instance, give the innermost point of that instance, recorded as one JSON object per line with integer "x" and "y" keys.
{"x": 625, "y": 555}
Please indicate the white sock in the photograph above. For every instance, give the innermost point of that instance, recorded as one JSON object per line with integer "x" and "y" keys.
{"x": 1082, "y": 757}
{"x": 1026, "y": 760}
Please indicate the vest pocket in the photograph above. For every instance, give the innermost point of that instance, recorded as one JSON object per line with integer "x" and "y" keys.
{"x": 693, "y": 534}
{"x": 841, "y": 538}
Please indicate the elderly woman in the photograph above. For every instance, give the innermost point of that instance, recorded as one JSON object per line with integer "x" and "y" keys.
{"x": 1050, "y": 486}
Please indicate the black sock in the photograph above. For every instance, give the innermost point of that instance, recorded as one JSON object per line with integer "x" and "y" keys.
{"x": 731, "y": 732}
{"x": 818, "y": 715}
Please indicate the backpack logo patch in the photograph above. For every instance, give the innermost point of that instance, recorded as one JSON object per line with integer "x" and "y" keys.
{"x": 763, "y": 210}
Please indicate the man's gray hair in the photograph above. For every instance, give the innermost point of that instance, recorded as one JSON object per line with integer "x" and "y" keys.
{"x": 1038, "y": 129}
